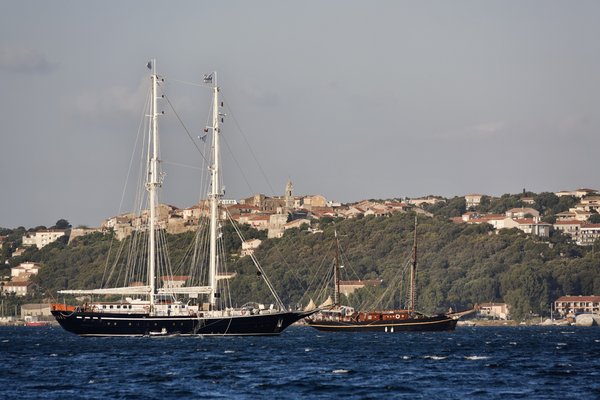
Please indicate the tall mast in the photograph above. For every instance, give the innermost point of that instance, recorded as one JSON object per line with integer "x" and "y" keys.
{"x": 215, "y": 195}
{"x": 153, "y": 184}
{"x": 336, "y": 272}
{"x": 413, "y": 272}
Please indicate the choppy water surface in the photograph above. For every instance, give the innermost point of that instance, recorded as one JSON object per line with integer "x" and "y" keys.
{"x": 487, "y": 363}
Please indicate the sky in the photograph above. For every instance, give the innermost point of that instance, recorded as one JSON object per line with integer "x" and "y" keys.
{"x": 349, "y": 99}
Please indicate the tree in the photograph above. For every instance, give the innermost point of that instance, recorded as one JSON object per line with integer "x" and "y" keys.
{"x": 62, "y": 224}
{"x": 595, "y": 218}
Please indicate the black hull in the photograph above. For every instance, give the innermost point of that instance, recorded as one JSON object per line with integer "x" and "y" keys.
{"x": 424, "y": 324}
{"x": 113, "y": 324}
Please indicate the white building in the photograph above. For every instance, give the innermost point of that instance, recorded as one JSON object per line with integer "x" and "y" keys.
{"x": 29, "y": 268}
{"x": 18, "y": 288}
{"x": 588, "y": 234}
{"x": 42, "y": 238}
{"x": 473, "y": 200}
{"x": 249, "y": 246}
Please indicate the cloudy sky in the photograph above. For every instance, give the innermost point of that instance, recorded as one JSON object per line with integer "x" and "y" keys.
{"x": 349, "y": 99}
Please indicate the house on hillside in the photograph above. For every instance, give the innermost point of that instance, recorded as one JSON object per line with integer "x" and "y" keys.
{"x": 577, "y": 193}
{"x": 19, "y": 288}
{"x": 249, "y": 246}
{"x": 523, "y": 212}
{"x": 473, "y": 200}
{"x": 588, "y": 234}
{"x": 25, "y": 269}
{"x": 425, "y": 200}
{"x": 569, "y": 227}
{"x": 43, "y": 238}
{"x": 590, "y": 204}
{"x": 308, "y": 202}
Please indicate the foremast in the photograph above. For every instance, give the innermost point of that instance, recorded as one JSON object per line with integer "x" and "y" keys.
{"x": 215, "y": 194}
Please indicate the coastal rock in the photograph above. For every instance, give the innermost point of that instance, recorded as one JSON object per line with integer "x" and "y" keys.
{"x": 587, "y": 320}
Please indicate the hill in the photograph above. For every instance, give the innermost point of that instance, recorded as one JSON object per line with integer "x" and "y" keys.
{"x": 459, "y": 265}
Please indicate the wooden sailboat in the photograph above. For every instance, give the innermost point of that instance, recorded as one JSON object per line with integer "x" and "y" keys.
{"x": 150, "y": 310}
{"x": 340, "y": 318}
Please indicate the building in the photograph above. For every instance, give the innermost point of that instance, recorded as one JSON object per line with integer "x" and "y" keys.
{"x": 348, "y": 287}
{"x": 18, "y": 288}
{"x": 79, "y": 232}
{"x": 576, "y": 193}
{"x": 43, "y": 238}
{"x": 25, "y": 269}
{"x": 308, "y": 202}
{"x": 297, "y": 223}
{"x": 249, "y": 246}
{"x": 588, "y": 234}
{"x": 473, "y": 200}
{"x": 523, "y": 212}
{"x": 257, "y": 221}
{"x": 425, "y": 200}
{"x": 494, "y": 310}
{"x": 590, "y": 204}
{"x": 276, "y": 224}
{"x": 530, "y": 226}
{"x": 174, "y": 281}
{"x": 35, "y": 310}
{"x": 569, "y": 227}
{"x": 569, "y": 306}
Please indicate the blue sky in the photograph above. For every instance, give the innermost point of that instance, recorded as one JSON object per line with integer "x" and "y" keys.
{"x": 348, "y": 99}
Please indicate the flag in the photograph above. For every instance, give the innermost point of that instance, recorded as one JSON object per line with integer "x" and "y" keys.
{"x": 149, "y": 65}
{"x": 208, "y": 78}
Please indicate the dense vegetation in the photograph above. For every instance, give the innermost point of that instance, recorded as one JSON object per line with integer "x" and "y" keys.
{"x": 459, "y": 265}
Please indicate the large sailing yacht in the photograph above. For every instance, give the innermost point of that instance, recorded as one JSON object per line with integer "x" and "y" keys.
{"x": 341, "y": 318}
{"x": 148, "y": 309}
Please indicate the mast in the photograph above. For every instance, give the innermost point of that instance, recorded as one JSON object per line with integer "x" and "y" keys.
{"x": 153, "y": 184}
{"x": 413, "y": 272}
{"x": 215, "y": 195}
{"x": 336, "y": 272}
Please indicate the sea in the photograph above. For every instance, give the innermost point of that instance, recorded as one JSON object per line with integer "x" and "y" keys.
{"x": 302, "y": 363}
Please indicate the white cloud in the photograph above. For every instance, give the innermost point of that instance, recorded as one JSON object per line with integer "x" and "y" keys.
{"x": 24, "y": 61}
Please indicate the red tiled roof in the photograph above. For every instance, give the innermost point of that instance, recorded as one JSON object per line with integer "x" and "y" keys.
{"x": 524, "y": 221}
{"x": 590, "y": 226}
{"x": 579, "y": 298}
{"x": 569, "y": 222}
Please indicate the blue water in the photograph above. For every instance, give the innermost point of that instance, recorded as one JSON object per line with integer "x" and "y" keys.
{"x": 479, "y": 362}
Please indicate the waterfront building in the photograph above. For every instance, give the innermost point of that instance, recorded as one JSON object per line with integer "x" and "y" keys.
{"x": 569, "y": 306}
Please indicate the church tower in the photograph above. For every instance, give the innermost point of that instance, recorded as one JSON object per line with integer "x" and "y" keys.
{"x": 289, "y": 196}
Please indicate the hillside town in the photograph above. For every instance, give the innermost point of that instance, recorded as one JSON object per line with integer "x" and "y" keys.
{"x": 277, "y": 214}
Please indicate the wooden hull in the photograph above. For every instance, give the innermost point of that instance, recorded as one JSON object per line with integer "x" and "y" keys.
{"x": 115, "y": 324}
{"x": 421, "y": 324}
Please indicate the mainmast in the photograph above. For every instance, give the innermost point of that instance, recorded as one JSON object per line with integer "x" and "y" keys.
{"x": 336, "y": 272}
{"x": 153, "y": 183}
{"x": 216, "y": 192}
{"x": 413, "y": 272}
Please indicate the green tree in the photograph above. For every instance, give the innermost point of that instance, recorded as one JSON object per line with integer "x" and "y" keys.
{"x": 62, "y": 224}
